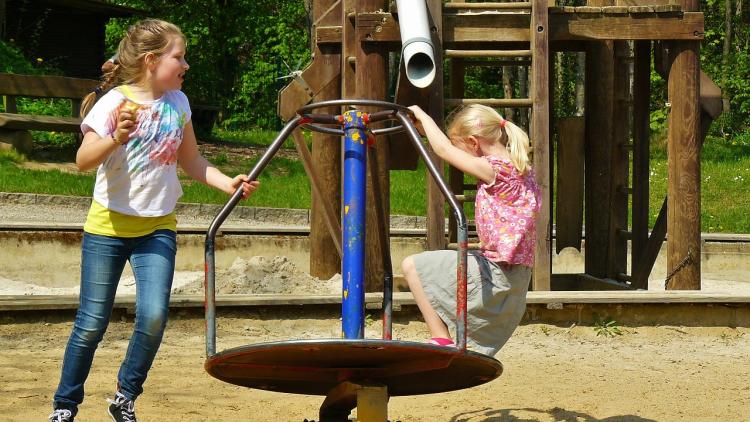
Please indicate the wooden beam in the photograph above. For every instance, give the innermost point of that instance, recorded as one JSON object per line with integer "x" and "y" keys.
{"x": 540, "y": 124}
{"x": 641, "y": 170}
{"x": 328, "y": 213}
{"x": 325, "y": 230}
{"x": 371, "y": 75}
{"x": 485, "y": 28}
{"x": 683, "y": 194}
{"x": 435, "y": 200}
{"x": 617, "y": 257}
{"x": 599, "y": 106}
{"x": 456, "y": 176}
{"x": 570, "y": 179}
{"x": 45, "y": 86}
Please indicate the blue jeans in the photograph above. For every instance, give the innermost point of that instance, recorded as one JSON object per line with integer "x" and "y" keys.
{"x": 103, "y": 258}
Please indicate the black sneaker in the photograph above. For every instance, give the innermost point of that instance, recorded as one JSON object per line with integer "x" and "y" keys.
{"x": 121, "y": 409}
{"x": 61, "y": 415}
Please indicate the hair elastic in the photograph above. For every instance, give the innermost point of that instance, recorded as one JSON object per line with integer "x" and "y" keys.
{"x": 502, "y": 122}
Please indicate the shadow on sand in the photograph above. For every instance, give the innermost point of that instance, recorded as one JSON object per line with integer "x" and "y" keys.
{"x": 527, "y": 414}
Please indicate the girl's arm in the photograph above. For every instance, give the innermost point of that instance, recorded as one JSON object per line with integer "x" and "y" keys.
{"x": 197, "y": 167}
{"x": 94, "y": 149}
{"x": 458, "y": 158}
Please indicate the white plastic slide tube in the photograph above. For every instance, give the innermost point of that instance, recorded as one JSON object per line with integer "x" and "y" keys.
{"x": 417, "y": 51}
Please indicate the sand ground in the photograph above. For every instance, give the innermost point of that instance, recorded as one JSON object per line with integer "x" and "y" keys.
{"x": 551, "y": 373}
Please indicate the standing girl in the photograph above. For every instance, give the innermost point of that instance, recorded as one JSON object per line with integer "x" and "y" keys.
{"x": 136, "y": 134}
{"x": 495, "y": 151}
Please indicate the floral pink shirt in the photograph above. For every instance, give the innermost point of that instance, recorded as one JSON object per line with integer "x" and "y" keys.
{"x": 505, "y": 214}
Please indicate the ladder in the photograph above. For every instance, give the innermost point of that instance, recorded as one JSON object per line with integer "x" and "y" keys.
{"x": 537, "y": 58}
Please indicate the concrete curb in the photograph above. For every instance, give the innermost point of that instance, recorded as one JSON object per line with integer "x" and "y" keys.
{"x": 262, "y": 215}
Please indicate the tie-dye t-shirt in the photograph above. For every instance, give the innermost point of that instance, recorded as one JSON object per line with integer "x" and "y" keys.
{"x": 505, "y": 214}
{"x": 140, "y": 177}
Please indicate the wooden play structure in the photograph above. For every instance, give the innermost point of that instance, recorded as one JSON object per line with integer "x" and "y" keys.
{"x": 353, "y": 41}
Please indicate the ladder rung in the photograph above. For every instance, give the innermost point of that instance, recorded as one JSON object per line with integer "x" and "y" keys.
{"x": 487, "y": 6}
{"x": 497, "y": 63}
{"x": 626, "y": 234}
{"x": 471, "y": 246}
{"x": 465, "y": 198}
{"x": 469, "y": 186}
{"x": 490, "y": 102}
{"x": 623, "y": 277}
{"x": 487, "y": 53}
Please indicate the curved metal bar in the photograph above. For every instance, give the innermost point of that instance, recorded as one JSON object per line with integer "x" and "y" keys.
{"x": 388, "y": 114}
{"x": 352, "y": 102}
{"x": 463, "y": 233}
{"x": 210, "y": 258}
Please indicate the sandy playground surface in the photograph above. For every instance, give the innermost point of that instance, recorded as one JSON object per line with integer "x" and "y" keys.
{"x": 551, "y": 373}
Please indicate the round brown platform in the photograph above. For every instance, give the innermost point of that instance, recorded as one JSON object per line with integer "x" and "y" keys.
{"x": 317, "y": 366}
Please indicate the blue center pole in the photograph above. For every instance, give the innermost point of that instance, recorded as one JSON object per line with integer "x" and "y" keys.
{"x": 353, "y": 262}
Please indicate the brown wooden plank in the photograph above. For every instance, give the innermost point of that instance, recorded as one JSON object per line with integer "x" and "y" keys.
{"x": 641, "y": 132}
{"x": 371, "y": 75}
{"x": 456, "y": 176}
{"x": 683, "y": 210}
{"x": 619, "y": 164}
{"x": 45, "y": 86}
{"x": 688, "y": 26}
{"x": 599, "y": 87}
{"x": 490, "y": 102}
{"x": 540, "y": 124}
{"x": 615, "y": 10}
{"x": 37, "y": 122}
{"x": 570, "y": 179}
{"x": 667, "y": 8}
{"x": 563, "y": 27}
{"x": 435, "y": 199}
{"x": 588, "y": 9}
{"x": 637, "y": 3}
{"x": 348, "y": 40}
{"x": 323, "y": 166}
{"x": 329, "y": 216}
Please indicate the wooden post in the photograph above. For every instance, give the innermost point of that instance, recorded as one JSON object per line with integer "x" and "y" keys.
{"x": 617, "y": 256}
{"x": 371, "y": 74}
{"x": 570, "y": 177}
{"x": 435, "y": 200}
{"x": 456, "y": 176}
{"x": 641, "y": 130}
{"x": 326, "y": 157}
{"x": 599, "y": 87}
{"x": 683, "y": 195}
{"x": 540, "y": 138}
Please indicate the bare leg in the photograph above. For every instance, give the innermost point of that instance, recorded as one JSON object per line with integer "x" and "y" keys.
{"x": 434, "y": 322}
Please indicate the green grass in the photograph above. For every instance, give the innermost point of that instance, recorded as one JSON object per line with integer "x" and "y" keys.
{"x": 725, "y": 181}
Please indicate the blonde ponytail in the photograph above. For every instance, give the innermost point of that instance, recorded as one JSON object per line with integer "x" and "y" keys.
{"x": 518, "y": 147}
{"x": 482, "y": 121}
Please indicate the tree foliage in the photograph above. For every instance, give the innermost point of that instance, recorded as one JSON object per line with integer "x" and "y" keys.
{"x": 236, "y": 51}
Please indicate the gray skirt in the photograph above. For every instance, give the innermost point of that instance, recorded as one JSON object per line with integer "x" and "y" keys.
{"x": 495, "y": 296}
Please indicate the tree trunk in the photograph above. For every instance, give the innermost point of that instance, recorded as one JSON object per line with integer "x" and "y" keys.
{"x": 726, "y": 52}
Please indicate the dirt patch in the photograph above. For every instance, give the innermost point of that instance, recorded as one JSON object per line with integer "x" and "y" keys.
{"x": 258, "y": 274}
{"x": 551, "y": 373}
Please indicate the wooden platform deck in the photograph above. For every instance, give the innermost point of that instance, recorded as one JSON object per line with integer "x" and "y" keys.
{"x": 400, "y": 299}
